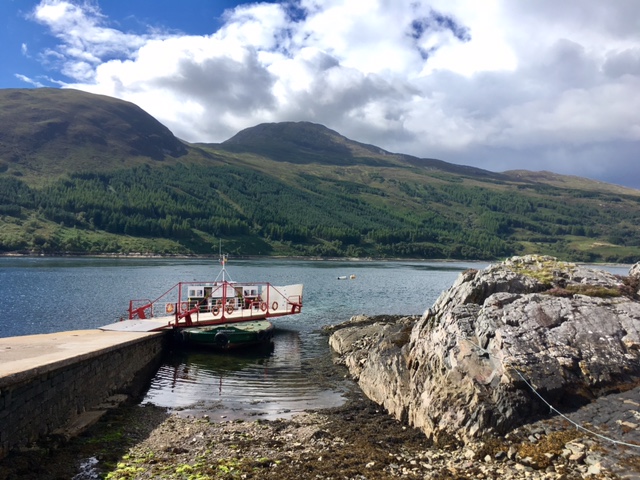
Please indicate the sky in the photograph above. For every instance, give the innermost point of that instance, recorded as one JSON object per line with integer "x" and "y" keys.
{"x": 495, "y": 84}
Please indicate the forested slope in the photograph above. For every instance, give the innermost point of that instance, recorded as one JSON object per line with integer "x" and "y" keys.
{"x": 294, "y": 189}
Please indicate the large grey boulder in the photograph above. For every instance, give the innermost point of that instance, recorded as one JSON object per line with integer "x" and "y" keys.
{"x": 498, "y": 345}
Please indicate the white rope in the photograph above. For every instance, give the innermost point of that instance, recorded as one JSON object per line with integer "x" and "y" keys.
{"x": 551, "y": 407}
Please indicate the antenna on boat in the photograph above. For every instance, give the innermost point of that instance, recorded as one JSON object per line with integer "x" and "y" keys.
{"x": 223, "y": 262}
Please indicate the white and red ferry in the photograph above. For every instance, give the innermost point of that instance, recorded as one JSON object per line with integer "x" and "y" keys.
{"x": 200, "y": 304}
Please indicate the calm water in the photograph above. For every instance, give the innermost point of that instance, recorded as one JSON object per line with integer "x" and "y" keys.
{"x": 45, "y": 295}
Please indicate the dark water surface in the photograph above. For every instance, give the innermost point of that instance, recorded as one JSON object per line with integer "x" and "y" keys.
{"x": 46, "y": 295}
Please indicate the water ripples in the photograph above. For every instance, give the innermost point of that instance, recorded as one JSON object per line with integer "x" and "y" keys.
{"x": 286, "y": 378}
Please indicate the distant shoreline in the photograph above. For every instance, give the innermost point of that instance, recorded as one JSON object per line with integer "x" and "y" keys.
{"x": 134, "y": 256}
{"x": 236, "y": 257}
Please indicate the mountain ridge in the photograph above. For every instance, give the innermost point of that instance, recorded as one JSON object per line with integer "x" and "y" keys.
{"x": 299, "y": 143}
{"x": 45, "y": 123}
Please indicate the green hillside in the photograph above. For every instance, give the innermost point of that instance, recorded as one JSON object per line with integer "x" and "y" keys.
{"x": 126, "y": 184}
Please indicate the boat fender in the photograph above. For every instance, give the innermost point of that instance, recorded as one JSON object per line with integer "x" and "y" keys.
{"x": 230, "y": 309}
{"x": 221, "y": 339}
{"x": 169, "y": 308}
{"x": 261, "y": 335}
{"x": 263, "y": 306}
{"x": 274, "y": 306}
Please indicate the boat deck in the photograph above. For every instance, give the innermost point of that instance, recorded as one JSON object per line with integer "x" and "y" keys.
{"x": 206, "y": 319}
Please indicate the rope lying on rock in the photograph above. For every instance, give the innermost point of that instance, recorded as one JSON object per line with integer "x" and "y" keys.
{"x": 577, "y": 425}
{"x": 551, "y": 407}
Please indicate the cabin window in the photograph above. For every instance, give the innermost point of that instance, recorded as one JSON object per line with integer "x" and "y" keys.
{"x": 196, "y": 292}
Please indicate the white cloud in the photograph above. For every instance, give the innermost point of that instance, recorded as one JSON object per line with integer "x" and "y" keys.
{"x": 82, "y": 35}
{"x": 495, "y": 84}
{"x": 30, "y": 81}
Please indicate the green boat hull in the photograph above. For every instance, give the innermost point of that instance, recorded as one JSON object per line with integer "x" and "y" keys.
{"x": 229, "y": 335}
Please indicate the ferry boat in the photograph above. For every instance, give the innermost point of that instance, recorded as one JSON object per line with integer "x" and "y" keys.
{"x": 217, "y": 302}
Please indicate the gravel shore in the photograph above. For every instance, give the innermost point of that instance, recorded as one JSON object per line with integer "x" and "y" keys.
{"x": 355, "y": 441}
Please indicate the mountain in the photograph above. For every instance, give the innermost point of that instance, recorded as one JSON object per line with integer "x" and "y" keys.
{"x": 48, "y": 131}
{"x": 303, "y": 143}
{"x": 306, "y": 142}
{"x": 84, "y": 173}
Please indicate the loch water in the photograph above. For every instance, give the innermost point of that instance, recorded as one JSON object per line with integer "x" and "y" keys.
{"x": 51, "y": 294}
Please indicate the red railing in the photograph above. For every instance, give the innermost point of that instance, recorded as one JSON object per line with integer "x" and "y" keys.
{"x": 226, "y": 298}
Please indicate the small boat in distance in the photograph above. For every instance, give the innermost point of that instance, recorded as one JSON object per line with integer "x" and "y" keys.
{"x": 207, "y": 303}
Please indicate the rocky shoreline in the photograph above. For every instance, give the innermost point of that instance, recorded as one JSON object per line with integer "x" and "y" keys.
{"x": 356, "y": 441}
{"x": 466, "y": 367}
{"x": 519, "y": 340}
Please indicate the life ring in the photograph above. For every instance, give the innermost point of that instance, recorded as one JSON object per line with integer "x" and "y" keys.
{"x": 230, "y": 309}
{"x": 169, "y": 308}
{"x": 274, "y": 306}
{"x": 215, "y": 310}
{"x": 184, "y": 306}
{"x": 221, "y": 339}
{"x": 263, "y": 306}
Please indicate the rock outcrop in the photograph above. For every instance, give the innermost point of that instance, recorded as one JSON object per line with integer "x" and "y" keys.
{"x": 634, "y": 272}
{"x": 499, "y": 347}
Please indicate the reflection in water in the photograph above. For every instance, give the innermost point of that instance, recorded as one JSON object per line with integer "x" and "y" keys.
{"x": 298, "y": 373}
{"x": 275, "y": 382}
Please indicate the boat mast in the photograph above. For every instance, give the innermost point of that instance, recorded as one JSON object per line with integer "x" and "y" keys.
{"x": 223, "y": 262}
